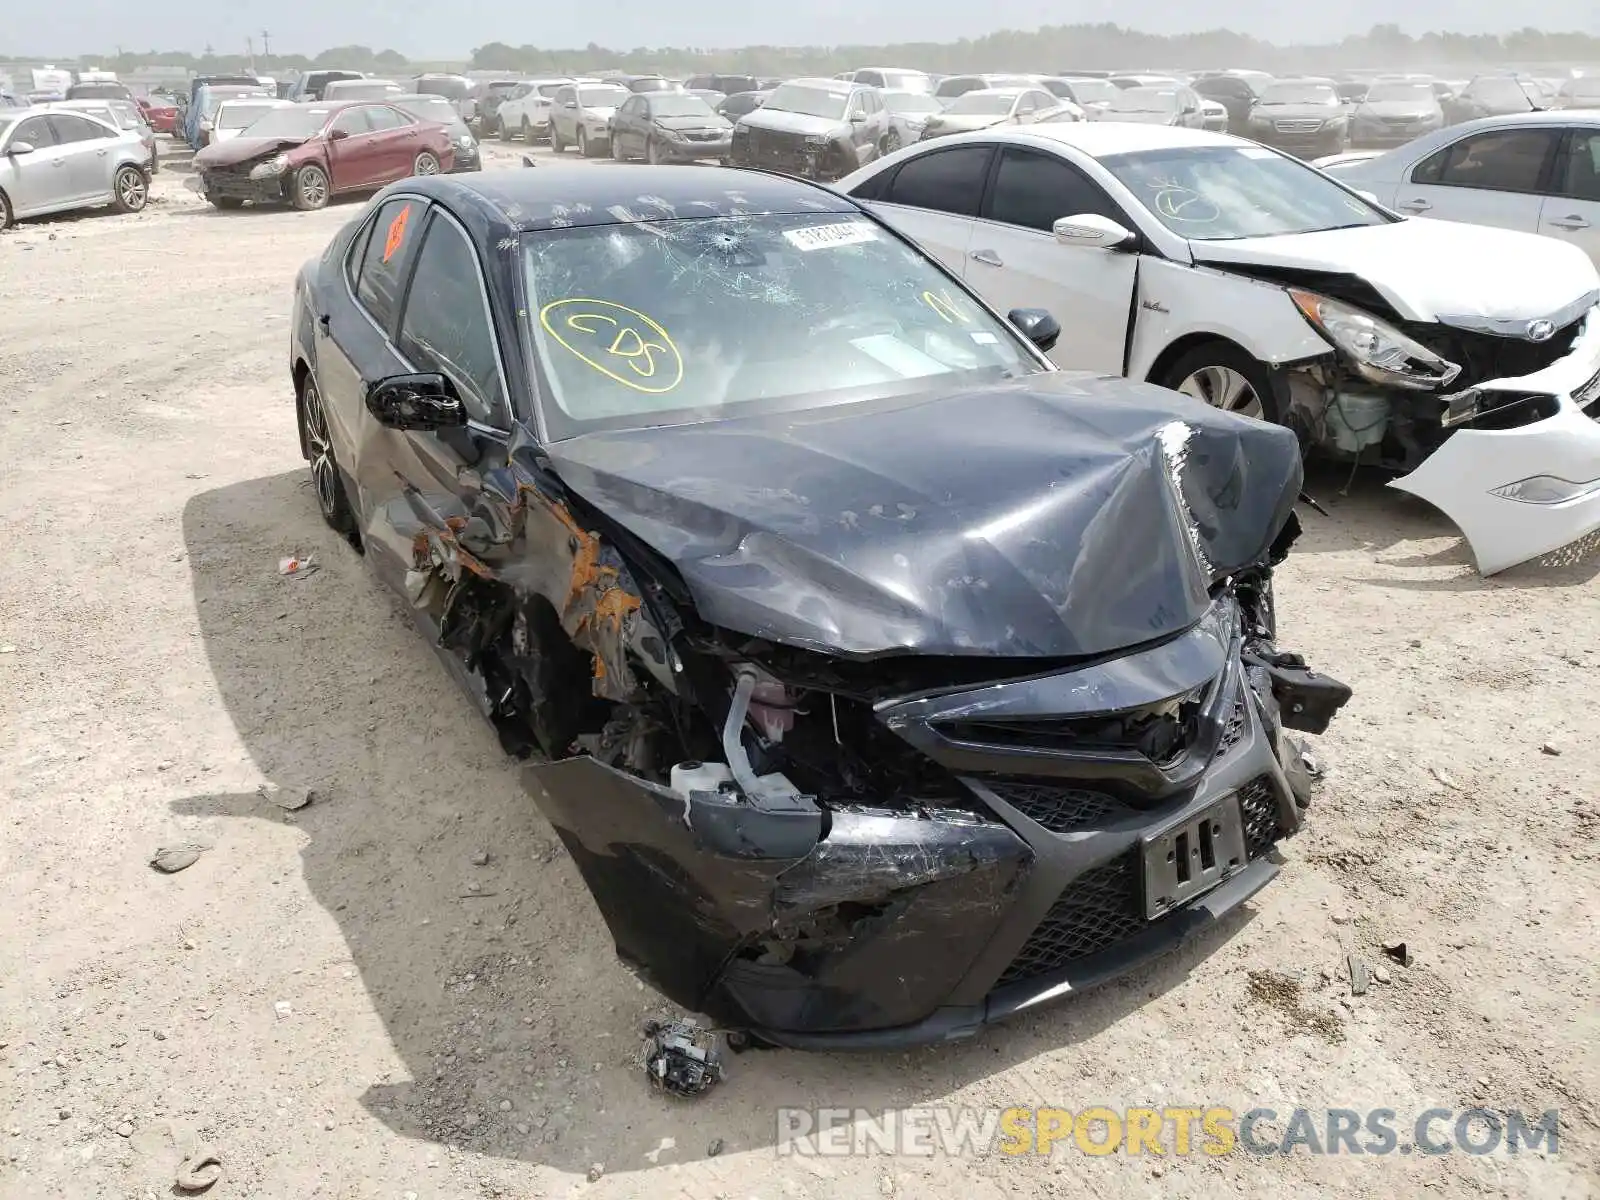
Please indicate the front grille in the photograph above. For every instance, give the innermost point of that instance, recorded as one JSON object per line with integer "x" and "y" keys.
{"x": 1233, "y": 730}
{"x": 1310, "y": 126}
{"x": 1485, "y": 356}
{"x": 1258, "y": 807}
{"x": 1099, "y": 909}
{"x": 1059, "y": 809}
{"x": 703, "y": 135}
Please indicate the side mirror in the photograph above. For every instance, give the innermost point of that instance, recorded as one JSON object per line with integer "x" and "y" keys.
{"x": 338, "y": 135}
{"x": 1037, "y": 325}
{"x": 20, "y": 148}
{"x": 858, "y": 118}
{"x": 420, "y": 402}
{"x": 1091, "y": 230}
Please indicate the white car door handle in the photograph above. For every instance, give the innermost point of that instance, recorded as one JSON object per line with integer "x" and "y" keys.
{"x": 987, "y": 257}
{"x": 1415, "y": 206}
{"x": 1572, "y": 222}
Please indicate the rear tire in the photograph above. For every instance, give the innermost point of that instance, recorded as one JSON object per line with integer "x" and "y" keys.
{"x": 310, "y": 188}
{"x": 1224, "y": 376}
{"x": 130, "y": 190}
{"x": 616, "y": 150}
{"x": 6, "y": 215}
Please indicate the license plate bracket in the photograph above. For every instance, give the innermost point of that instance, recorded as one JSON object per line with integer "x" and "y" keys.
{"x": 1191, "y": 856}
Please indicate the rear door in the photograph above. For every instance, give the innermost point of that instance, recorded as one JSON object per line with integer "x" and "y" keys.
{"x": 1572, "y": 210}
{"x": 1016, "y": 262}
{"x": 87, "y": 148}
{"x": 934, "y": 199}
{"x": 355, "y": 154}
{"x": 36, "y": 181}
{"x": 1493, "y": 177}
{"x": 396, "y": 141}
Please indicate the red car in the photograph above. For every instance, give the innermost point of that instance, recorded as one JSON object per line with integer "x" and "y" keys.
{"x": 306, "y": 154}
{"x": 160, "y": 111}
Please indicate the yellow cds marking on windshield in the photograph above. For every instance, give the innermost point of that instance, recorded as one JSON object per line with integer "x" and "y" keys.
{"x": 621, "y": 343}
{"x": 1184, "y": 204}
{"x": 944, "y": 305}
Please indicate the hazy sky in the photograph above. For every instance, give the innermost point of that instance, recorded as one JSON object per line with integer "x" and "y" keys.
{"x": 450, "y": 28}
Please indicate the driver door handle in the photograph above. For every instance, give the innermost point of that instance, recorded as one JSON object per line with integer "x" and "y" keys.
{"x": 1571, "y": 222}
{"x": 987, "y": 257}
{"x": 1414, "y": 206}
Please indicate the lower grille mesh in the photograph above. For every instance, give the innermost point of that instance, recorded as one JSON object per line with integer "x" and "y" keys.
{"x": 1099, "y": 909}
{"x": 1258, "y": 807}
{"x": 1059, "y": 809}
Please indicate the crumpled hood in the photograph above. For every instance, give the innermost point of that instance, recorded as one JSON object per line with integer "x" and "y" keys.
{"x": 242, "y": 149}
{"x": 779, "y": 121}
{"x": 1429, "y": 270}
{"x": 963, "y": 122}
{"x": 1055, "y": 516}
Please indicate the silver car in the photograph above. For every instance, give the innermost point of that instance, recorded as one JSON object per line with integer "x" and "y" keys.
{"x": 580, "y": 116}
{"x": 53, "y": 161}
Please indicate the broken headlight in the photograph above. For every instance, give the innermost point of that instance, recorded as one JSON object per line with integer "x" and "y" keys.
{"x": 270, "y": 169}
{"x": 1376, "y": 349}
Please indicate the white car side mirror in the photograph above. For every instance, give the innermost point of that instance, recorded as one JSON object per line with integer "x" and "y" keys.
{"x": 1091, "y": 230}
{"x": 20, "y": 148}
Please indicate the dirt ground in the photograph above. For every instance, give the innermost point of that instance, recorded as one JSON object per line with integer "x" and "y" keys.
{"x": 341, "y": 1001}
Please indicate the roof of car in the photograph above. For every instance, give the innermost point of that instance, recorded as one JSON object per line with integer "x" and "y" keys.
{"x": 830, "y": 85}
{"x": 1097, "y": 138}
{"x": 56, "y": 106}
{"x": 608, "y": 194}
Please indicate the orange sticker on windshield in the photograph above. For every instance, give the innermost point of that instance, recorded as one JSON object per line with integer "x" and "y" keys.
{"x": 622, "y": 343}
{"x": 397, "y": 233}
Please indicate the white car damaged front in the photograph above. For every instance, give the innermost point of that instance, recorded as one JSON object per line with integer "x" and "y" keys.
{"x": 1465, "y": 360}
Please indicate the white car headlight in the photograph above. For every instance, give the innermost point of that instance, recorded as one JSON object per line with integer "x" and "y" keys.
{"x": 1378, "y": 350}
{"x": 271, "y": 168}
{"x": 465, "y": 141}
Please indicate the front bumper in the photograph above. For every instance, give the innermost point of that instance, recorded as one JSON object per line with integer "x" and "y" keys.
{"x": 237, "y": 185}
{"x": 1302, "y": 145}
{"x": 1469, "y": 476}
{"x": 791, "y": 154}
{"x": 466, "y": 160}
{"x": 690, "y": 151}
{"x": 902, "y": 922}
{"x": 1384, "y": 137}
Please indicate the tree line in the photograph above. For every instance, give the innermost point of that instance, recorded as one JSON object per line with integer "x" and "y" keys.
{"x": 1060, "y": 48}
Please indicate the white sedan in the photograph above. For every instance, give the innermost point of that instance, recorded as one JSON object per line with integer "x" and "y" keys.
{"x": 1538, "y": 172}
{"x": 1466, "y": 360}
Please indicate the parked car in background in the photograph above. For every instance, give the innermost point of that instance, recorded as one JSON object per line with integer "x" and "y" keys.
{"x": 1393, "y": 113}
{"x": 1461, "y": 358}
{"x": 1145, "y": 79}
{"x": 953, "y": 86}
{"x": 1303, "y": 116}
{"x": 909, "y": 114}
{"x": 56, "y": 160}
{"x": 1582, "y": 92}
{"x": 233, "y": 117}
{"x": 1213, "y": 115}
{"x": 438, "y": 110}
{"x": 1167, "y": 104}
{"x": 100, "y": 89}
{"x": 899, "y": 79}
{"x": 817, "y": 128}
{"x": 306, "y": 154}
{"x": 581, "y": 116}
{"x": 712, "y": 98}
{"x": 482, "y": 108}
{"x": 1493, "y": 96}
{"x": 728, "y": 85}
{"x": 1534, "y": 172}
{"x": 343, "y": 91}
{"x": 123, "y": 115}
{"x": 525, "y": 113}
{"x": 640, "y": 84}
{"x": 1090, "y": 94}
{"x": 741, "y": 104}
{"x": 454, "y": 88}
{"x": 1236, "y": 93}
{"x": 161, "y": 111}
{"x": 990, "y": 106}
{"x": 200, "y": 118}
{"x": 310, "y": 86}
{"x": 663, "y": 127}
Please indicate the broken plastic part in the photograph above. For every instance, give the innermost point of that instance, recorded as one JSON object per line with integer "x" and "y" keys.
{"x": 680, "y": 1058}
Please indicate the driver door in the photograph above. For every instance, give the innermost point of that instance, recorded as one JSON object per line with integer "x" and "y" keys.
{"x": 36, "y": 181}
{"x": 1015, "y": 261}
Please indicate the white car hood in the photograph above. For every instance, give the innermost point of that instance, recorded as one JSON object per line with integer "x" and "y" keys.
{"x": 1432, "y": 270}
{"x": 790, "y": 122}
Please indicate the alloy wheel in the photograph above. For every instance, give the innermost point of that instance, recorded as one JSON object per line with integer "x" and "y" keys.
{"x": 313, "y": 186}
{"x": 583, "y": 141}
{"x": 426, "y": 164}
{"x": 132, "y": 190}
{"x": 324, "y": 473}
{"x": 1224, "y": 388}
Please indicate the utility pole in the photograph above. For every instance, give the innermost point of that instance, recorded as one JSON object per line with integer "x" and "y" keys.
{"x": 266, "y": 44}
{"x": 250, "y": 52}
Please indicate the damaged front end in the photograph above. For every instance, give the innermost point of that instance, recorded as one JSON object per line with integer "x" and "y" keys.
{"x": 886, "y": 777}
{"x": 1495, "y": 423}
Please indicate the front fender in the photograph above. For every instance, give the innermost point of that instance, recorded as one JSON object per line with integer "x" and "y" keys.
{"x": 1177, "y": 301}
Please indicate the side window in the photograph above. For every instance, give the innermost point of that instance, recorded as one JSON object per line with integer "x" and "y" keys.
{"x": 634, "y": 108}
{"x": 358, "y": 249}
{"x": 1035, "y": 190}
{"x": 36, "y": 132}
{"x": 76, "y": 129}
{"x": 1503, "y": 160}
{"x": 858, "y": 104}
{"x": 1580, "y": 170}
{"x": 946, "y": 181}
{"x": 446, "y": 324}
{"x": 566, "y": 96}
{"x": 873, "y": 78}
{"x": 389, "y": 248}
{"x": 381, "y": 118}
{"x": 351, "y": 121}
{"x": 871, "y": 102}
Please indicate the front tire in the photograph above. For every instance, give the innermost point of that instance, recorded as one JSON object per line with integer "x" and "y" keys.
{"x": 583, "y": 142}
{"x": 652, "y": 152}
{"x": 1224, "y": 376}
{"x": 527, "y": 132}
{"x": 130, "y": 190}
{"x": 310, "y": 189}
{"x": 891, "y": 142}
{"x": 556, "y": 144}
{"x": 6, "y": 214}
{"x": 616, "y": 150}
{"x": 426, "y": 163}
{"x": 326, "y": 481}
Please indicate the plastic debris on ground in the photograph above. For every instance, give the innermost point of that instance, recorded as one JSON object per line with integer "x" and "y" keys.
{"x": 295, "y": 565}
{"x": 680, "y": 1058}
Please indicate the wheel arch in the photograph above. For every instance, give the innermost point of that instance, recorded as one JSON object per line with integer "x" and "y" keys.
{"x": 300, "y": 373}
{"x": 1183, "y": 345}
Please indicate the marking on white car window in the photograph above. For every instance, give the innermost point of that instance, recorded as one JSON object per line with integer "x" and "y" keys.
{"x": 1256, "y": 152}
{"x": 824, "y": 237}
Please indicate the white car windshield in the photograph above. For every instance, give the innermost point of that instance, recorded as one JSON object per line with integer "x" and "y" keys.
{"x": 808, "y": 101}
{"x": 1411, "y": 93}
{"x": 910, "y": 102}
{"x": 1144, "y": 99}
{"x": 1222, "y": 193}
{"x": 1094, "y": 91}
{"x": 1299, "y": 93}
{"x": 234, "y": 115}
{"x": 435, "y": 109}
{"x": 908, "y": 81}
{"x": 603, "y": 97}
{"x": 689, "y": 320}
{"x": 983, "y": 104}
